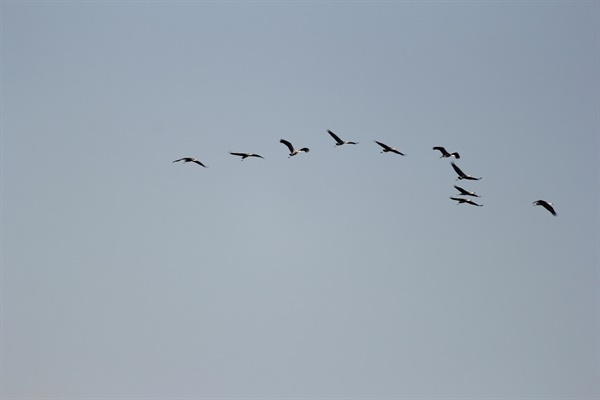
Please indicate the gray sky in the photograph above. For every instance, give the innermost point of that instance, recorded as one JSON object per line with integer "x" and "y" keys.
{"x": 340, "y": 273}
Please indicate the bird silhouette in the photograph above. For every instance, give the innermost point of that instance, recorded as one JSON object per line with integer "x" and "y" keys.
{"x": 466, "y": 192}
{"x": 445, "y": 154}
{"x": 190, "y": 159}
{"x": 546, "y": 204}
{"x": 387, "y": 148}
{"x": 462, "y": 175}
{"x": 462, "y": 200}
{"x": 338, "y": 141}
{"x": 246, "y": 155}
{"x": 293, "y": 151}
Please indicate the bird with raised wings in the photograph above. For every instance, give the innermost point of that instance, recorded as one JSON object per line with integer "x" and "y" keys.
{"x": 546, "y": 204}
{"x": 466, "y": 192}
{"x": 445, "y": 154}
{"x": 190, "y": 159}
{"x": 246, "y": 155}
{"x": 462, "y": 175}
{"x": 293, "y": 151}
{"x": 338, "y": 141}
{"x": 387, "y": 148}
{"x": 462, "y": 200}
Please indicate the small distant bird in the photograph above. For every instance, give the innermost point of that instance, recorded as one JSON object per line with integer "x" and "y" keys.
{"x": 387, "y": 148}
{"x": 246, "y": 155}
{"x": 462, "y": 175}
{"x": 466, "y": 192}
{"x": 465, "y": 200}
{"x": 190, "y": 159}
{"x": 338, "y": 141}
{"x": 546, "y": 204}
{"x": 293, "y": 151}
{"x": 445, "y": 154}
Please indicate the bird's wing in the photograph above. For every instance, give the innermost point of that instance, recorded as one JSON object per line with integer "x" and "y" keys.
{"x": 181, "y": 159}
{"x": 456, "y": 155}
{"x": 550, "y": 208}
{"x": 199, "y": 163}
{"x": 546, "y": 205}
{"x": 461, "y": 190}
{"x": 397, "y": 152}
{"x": 385, "y": 146}
{"x": 288, "y": 144}
{"x": 256, "y": 155}
{"x": 459, "y": 199}
{"x": 237, "y": 154}
{"x": 443, "y": 150}
{"x": 305, "y": 149}
{"x": 335, "y": 137}
{"x": 458, "y": 170}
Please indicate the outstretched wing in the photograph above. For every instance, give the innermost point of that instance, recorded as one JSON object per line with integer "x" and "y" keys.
{"x": 288, "y": 144}
{"x": 458, "y": 170}
{"x": 473, "y": 203}
{"x": 549, "y": 208}
{"x": 186, "y": 159}
{"x": 255, "y": 155}
{"x": 546, "y": 205}
{"x": 199, "y": 163}
{"x": 238, "y": 154}
{"x": 461, "y": 190}
{"x": 335, "y": 137}
{"x": 459, "y": 199}
{"x": 385, "y": 146}
{"x": 443, "y": 150}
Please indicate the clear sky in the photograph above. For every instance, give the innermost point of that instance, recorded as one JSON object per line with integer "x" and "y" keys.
{"x": 340, "y": 273}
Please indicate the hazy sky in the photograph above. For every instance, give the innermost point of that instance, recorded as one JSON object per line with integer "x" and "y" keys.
{"x": 340, "y": 273}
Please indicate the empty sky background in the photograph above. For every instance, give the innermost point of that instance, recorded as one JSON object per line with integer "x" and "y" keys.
{"x": 341, "y": 273}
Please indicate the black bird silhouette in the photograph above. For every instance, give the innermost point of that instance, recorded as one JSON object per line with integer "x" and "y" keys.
{"x": 445, "y": 154}
{"x": 462, "y": 175}
{"x": 546, "y": 204}
{"x": 466, "y": 192}
{"x": 387, "y": 148}
{"x": 465, "y": 200}
{"x": 246, "y": 155}
{"x": 338, "y": 141}
{"x": 293, "y": 151}
{"x": 190, "y": 159}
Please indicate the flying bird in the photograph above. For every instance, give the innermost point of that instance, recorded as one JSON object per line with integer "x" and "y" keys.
{"x": 461, "y": 200}
{"x": 338, "y": 141}
{"x": 445, "y": 154}
{"x": 546, "y": 204}
{"x": 466, "y": 192}
{"x": 190, "y": 159}
{"x": 462, "y": 175}
{"x": 293, "y": 151}
{"x": 387, "y": 148}
{"x": 246, "y": 155}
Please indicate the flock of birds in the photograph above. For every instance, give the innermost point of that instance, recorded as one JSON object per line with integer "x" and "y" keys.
{"x": 388, "y": 149}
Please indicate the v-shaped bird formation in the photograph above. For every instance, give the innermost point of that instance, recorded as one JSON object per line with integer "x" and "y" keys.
{"x": 388, "y": 149}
